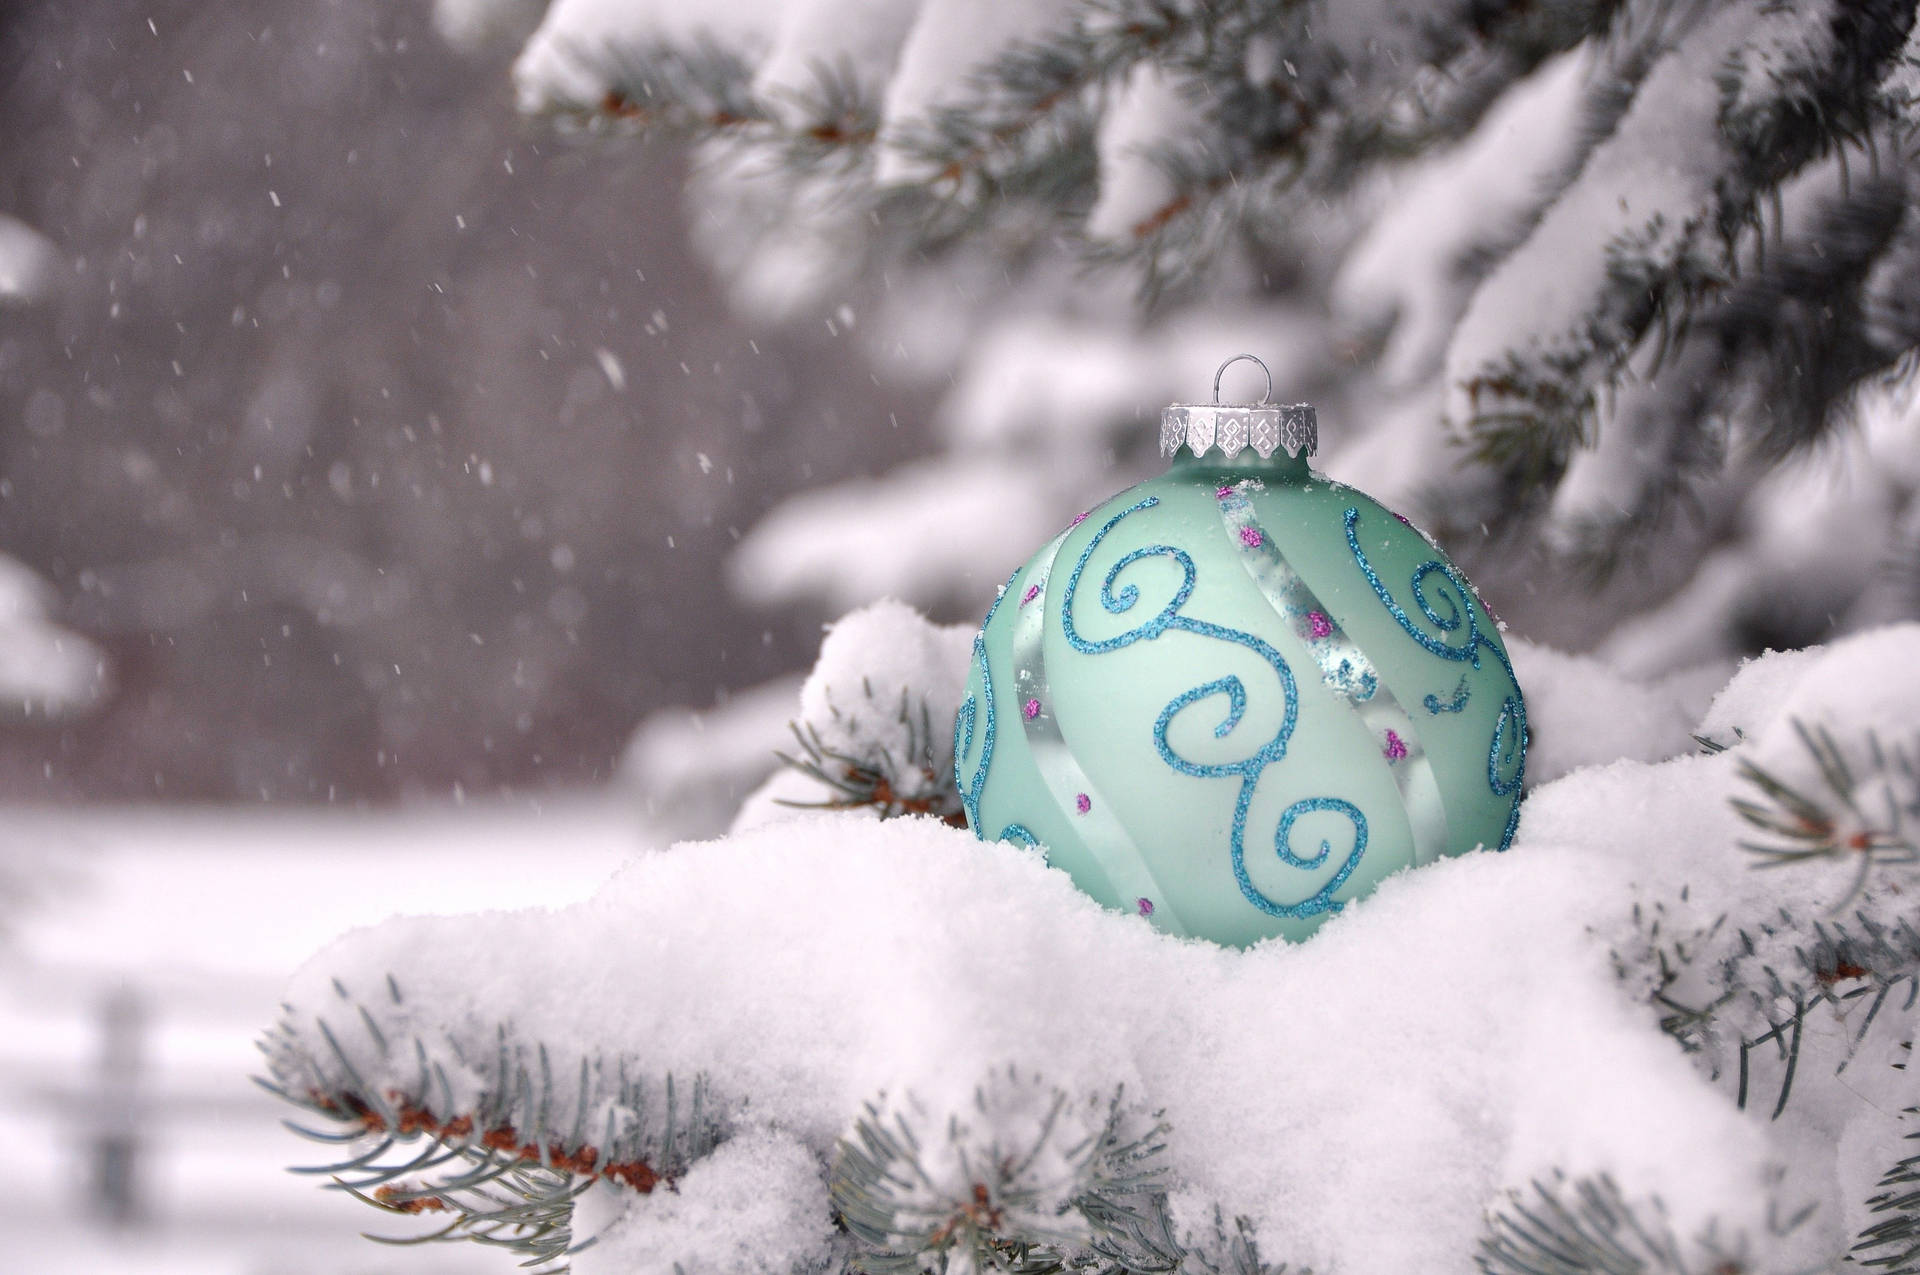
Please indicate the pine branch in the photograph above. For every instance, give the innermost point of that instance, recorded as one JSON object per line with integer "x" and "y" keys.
{"x": 1150, "y": 1246}
{"x": 1780, "y": 350}
{"x": 1021, "y": 128}
{"x": 1836, "y": 968}
{"x": 1836, "y": 824}
{"x": 1585, "y": 1226}
{"x": 1015, "y": 146}
{"x": 1892, "y": 1244}
{"x": 1786, "y": 98}
{"x": 1743, "y": 995}
{"x": 697, "y": 88}
{"x": 507, "y": 1148}
{"x": 1036, "y": 103}
{"x": 919, "y": 782}
{"x": 1023, "y": 1183}
{"x": 1292, "y": 119}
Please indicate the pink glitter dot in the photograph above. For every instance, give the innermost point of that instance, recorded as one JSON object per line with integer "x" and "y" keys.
{"x": 1078, "y": 519}
{"x": 1031, "y": 708}
{"x": 1251, "y": 537}
{"x": 1404, "y": 519}
{"x": 1396, "y": 748}
{"x": 1222, "y": 492}
{"x": 1319, "y": 625}
{"x": 1083, "y": 803}
{"x": 1146, "y": 907}
{"x": 1033, "y": 591}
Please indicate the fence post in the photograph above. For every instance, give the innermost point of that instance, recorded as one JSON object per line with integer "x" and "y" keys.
{"x": 114, "y": 1191}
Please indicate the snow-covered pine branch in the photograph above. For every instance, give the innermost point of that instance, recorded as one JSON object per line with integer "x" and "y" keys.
{"x": 1639, "y": 255}
{"x": 1743, "y": 99}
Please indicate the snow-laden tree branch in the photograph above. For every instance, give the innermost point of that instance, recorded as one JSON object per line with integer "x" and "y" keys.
{"x": 1596, "y": 269}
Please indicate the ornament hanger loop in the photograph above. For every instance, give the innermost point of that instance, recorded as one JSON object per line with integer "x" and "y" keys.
{"x": 1266, "y": 427}
{"x": 1264, "y": 371}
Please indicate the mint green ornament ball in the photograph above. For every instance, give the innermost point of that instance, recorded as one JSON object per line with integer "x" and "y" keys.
{"x": 1236, "y": 697}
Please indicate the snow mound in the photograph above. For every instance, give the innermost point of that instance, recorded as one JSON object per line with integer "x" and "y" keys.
{"x": 1404, "y": 1054}
{"x": 881, "y": 699}
{"x": 1854, "y": 686}
{"x": 1473, "y": 1027}
{"x": 883, "y": 672}
{"x": 1456, "y": 1034}
{"x": 1583, "y": 712}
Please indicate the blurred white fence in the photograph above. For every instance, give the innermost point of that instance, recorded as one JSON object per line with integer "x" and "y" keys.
{"x": 137, "y": 972}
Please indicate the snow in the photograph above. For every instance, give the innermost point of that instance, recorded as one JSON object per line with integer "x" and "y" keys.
{"x": 756, "y": 1206}
{"x": 877, "y": 665}
{"x": 1147, "y": 111}
{"x": 1814, "y": 538}
{"x": 927, "y": 531}
{"x": 911, "y": 57}
{"x": 1414, "y": 267}
{"x": 27, "y": 262}
{"x": 554, "y": 69}
{"x": 45, "y": 670}
{"x": 1472, "y": 1027}
{"x": 1751, "y": 700}
{"x": 1431, "y": 1082}
{"x": 1855, "y": 687}
{"x": 1651, "y": 182}
{"x": 1581, "y": 711}
{"x": 692, "y": 767}
{"x": 883, "y": 694}
{"x": 858, "y": 40}
{"x": 950, "y": 42}
{"x": 1673, "y": 825}
{"x": 779, "y": 246}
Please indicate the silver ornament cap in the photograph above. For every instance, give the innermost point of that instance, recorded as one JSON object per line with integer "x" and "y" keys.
{"x": 1265, "y": 426}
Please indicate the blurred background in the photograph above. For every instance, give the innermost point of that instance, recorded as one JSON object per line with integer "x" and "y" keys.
{"x": 434, "y": 433}
{"x": 379, "y": 441}
{"x": 364, "y": 448}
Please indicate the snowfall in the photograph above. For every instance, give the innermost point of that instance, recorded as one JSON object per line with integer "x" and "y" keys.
{"x": 1363, "y": 1098}
{"x": 1472, "y": 1032}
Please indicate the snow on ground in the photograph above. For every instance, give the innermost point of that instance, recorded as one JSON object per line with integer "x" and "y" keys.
{"x": 201, "y": 915}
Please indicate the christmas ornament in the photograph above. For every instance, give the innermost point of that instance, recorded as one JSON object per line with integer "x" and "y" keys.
{"x": 1235, "y": 697}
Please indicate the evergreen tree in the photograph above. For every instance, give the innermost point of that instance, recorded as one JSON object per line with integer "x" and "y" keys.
{"x": 1579, "y": 274}
{"x": 1637, "y": 259}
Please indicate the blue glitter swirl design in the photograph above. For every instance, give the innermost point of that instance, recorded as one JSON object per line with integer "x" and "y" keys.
{"x": 1436, "y": 705}
{"x": 966, "y": 719}
{"x": 1322, "y": 899}
{"x": 1507, "y": 754}
{"x": 1021, "y": 835}
{"x": 1248, "y": 770}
